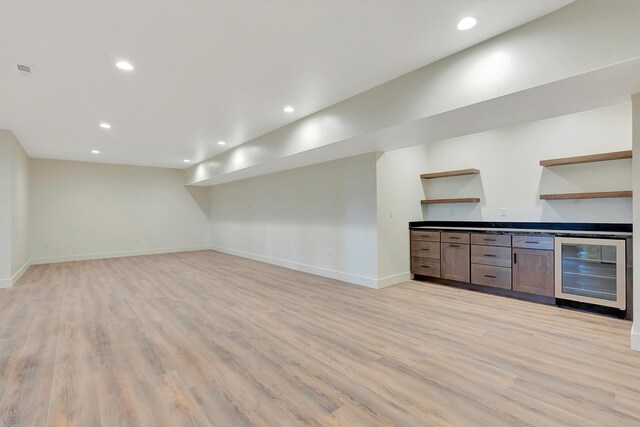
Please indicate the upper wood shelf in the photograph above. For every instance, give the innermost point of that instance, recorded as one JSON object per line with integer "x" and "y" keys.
{"x": 460, "y": 200}
{"x": 592, "y": 195}
{"x": 617, "y": 155}
{"x": 444, "y": 174}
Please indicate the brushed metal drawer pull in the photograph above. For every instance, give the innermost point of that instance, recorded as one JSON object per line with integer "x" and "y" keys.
{"x": 454, "y": 238}
{"x": 454, "y": 246}
{"x": 423, "y": 249}
{"x": 425, "y": 266}
{"x": 533, "y": 243}
{"x": 489, "y": 240}
{"x": 490, "y": 255}
{"x": 424, "y": 235}
{"x": 490, "y": 276}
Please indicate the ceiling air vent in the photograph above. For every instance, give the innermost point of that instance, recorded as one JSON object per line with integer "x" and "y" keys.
{"x": 24, "y": 68}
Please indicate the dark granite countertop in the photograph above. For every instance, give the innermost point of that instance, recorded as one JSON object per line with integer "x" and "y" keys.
{"x": 530, "y": 228}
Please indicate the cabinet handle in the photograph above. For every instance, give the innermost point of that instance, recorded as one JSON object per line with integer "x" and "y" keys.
{"x": 454, "y": 246}
{"x": 454, "y": 238}
{"x": 489, "y": 255}
{"x": 424, "y": 235}
{"x": 425, "y": 266}
{"x": 489, "y": 240}
{"x": 532, "y": 243}
{"x": 515, "y": 258}
{"x": 422, "y": 249}
{"x": 490, "y": 276}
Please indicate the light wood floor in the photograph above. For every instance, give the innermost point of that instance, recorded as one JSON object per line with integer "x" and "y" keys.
{"x": 202, "y": 338}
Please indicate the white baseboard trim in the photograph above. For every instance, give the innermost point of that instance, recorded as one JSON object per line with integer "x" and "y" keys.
{"x": 20, "y": 272}
{"x": 635, "y": 336}
{"x": 368, "y": 282}
{"x": 104, "y": 255}
{"x": 9, "y": 282}
{"x": 394, "y": 279}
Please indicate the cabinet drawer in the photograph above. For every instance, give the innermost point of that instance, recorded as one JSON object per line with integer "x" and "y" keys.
{"x": 491, "y": 239}
{"x": 491, "y": 255}
{"x": 429, "y": 236}
{"x": 448, "y": 237}
{"x": 533, "y": 242}
{"x": 425, "y": 249}
{"x": 425, "y": 266}
{"x": 488, "y": 275}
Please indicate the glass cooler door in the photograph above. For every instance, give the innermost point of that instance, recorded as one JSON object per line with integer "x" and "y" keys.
{"x": 591, "y": 270}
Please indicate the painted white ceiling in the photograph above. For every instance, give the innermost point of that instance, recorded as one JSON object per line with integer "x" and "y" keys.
{"x": 209, "y": 71}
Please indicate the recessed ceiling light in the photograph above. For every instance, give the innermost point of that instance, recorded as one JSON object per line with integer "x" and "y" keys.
{"x": 221, "y": 143}
{"x": 289, "y": 109}
{"x": 467, "y": 23}
{"x": 124, "y": 65}
{"x": 105, "y": 125}
{"x": 187, "y": 161}
{"x": 95, "y": 151}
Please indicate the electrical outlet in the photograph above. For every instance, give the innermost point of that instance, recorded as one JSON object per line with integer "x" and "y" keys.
{"x": 503, "y": 211}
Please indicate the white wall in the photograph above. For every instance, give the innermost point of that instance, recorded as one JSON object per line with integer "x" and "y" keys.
{"x": 89, "y": 210}
{"x": 261, "y": 218}
{"x": 510, "y": 177}
{"x": 398, "y": 189}
{"x": 635, "y": 332}
{"x": 5, "y": 209}
{"x": 14, "y": 183}
{"x": 19, "y": 210}
{"x": 320, "y": 219}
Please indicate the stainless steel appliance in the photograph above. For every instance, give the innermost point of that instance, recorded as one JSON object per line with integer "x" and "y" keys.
{"x": 591, "y": 271}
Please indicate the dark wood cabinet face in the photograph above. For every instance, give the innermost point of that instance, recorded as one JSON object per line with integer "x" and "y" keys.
{"x": 455, "y": 259}
{"x": 533, "y": 272}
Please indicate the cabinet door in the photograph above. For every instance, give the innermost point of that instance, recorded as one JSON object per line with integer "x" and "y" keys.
{"x": 533, "y": 272}
{"x": 455, "y": 262}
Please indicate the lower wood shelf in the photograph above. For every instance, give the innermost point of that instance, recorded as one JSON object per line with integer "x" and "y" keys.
{"x": 592, "y": 195}
{"x": 460, "y": 200}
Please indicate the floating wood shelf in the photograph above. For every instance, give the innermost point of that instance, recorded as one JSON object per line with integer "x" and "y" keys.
{"x": 450, "y": 173}
{"x": 437, "y": 201}
{"x": 617, "y": 155}
{"x": 592, "y": 195}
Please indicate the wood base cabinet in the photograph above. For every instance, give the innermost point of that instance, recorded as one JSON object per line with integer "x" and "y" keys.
{"x": 533, "y": 271}
{"x": 526, "y": 264}
{"x": 425, "y": 253}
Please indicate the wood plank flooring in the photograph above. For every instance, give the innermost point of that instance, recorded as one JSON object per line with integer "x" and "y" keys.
{"x": 203, "y": 338}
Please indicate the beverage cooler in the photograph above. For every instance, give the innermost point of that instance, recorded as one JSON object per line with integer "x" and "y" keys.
{"x": 591, "y": 271}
